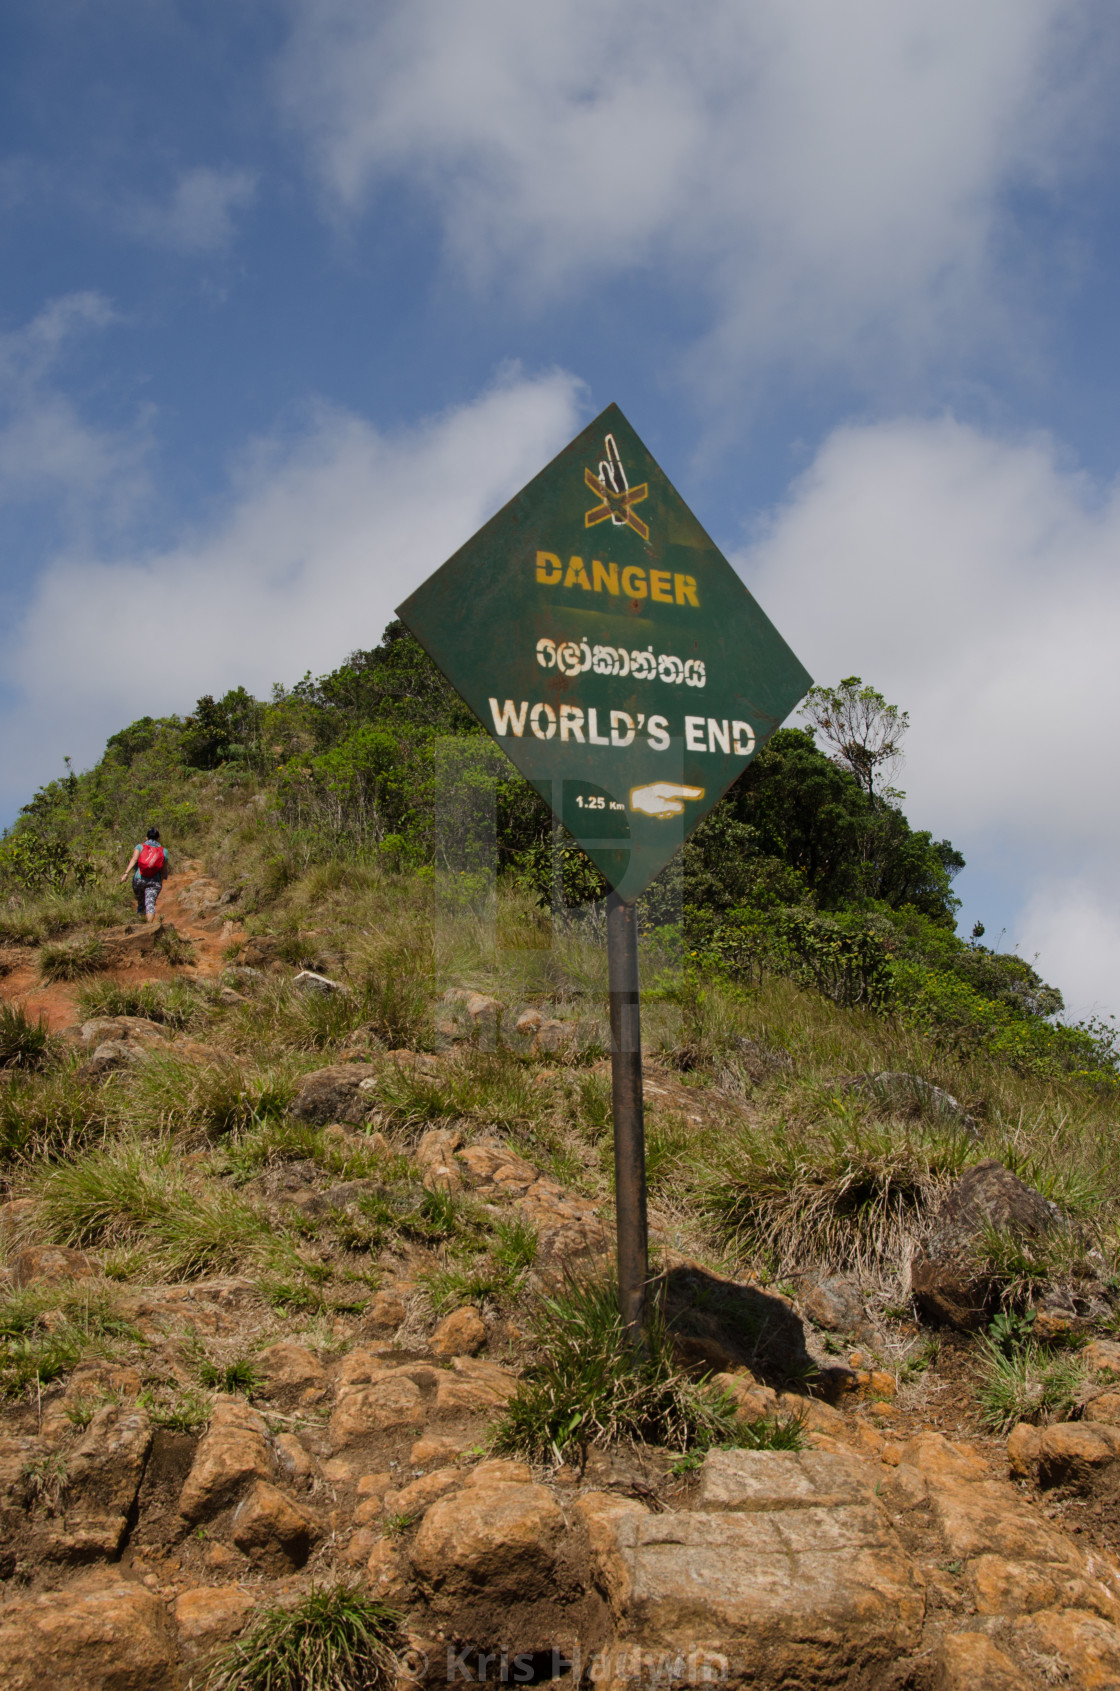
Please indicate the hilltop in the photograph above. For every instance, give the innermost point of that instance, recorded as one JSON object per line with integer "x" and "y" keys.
{"x": 307, "y": 1341}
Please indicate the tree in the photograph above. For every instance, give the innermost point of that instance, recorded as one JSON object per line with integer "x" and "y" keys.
{"x": 864, "y": 731}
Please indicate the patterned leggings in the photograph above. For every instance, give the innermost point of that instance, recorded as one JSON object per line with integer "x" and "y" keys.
{"x": 147, "y": 891}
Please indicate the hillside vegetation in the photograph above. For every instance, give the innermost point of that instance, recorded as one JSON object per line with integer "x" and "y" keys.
{"x": 325, "y": 1157}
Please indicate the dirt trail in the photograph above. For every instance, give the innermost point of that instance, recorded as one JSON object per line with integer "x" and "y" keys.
{"x": 208, "y": 932}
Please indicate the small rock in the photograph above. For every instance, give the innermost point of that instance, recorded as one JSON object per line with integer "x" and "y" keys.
{"x": 969, "y": 1661}
{"x": 337, "y": 1472}
{"x": 49, "y": 1263}
{"x": 1024, "y": 1444}
{"x": 220, "y": 1558}
{"x": 831, "y": 1303}
{"x": 379, "y": 1408}
{"x": 389, "y": 1579}
{"x": 1105, "y": 1408}
{"x": 374, "y": 1485}
{"x": 294, "y": 1460}
{"x": 333, "y": 1094}
{"x": 234, "y": 1450}
{"x": 308, "y": 981}
{"x": 551, "y": 1038}
{"x": 528, "y": 1022}
{"x": 1102, "y": 1356}
{"x": 421, "y": 1494}
{"x": 383, "y": 1314}
{"x": 501, "y": 1468}
{"x": 210, "y": 1615}
{"x": 1073, "y": 1451}
{"x": 273, "y": 1530}
{"x": 436, "y": 1156}
{"x": 752, "y": 1401}
{"x": 431, "y": 1450}
{"x": 363, "y": 1541}
{"x": 461, "y": 1333}
{"x": 104, "y": 1473}
{"x": 288, "y": 1364}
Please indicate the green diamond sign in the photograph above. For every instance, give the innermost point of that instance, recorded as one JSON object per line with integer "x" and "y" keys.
{"x": 608, "y": 646}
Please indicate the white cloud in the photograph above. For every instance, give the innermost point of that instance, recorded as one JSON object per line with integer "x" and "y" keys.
{"x": 321, "y": 539}
{"x": 974, "y": 581}
{"x": 199, "y": 214}
{"x": 48, "y": 450}
{"x": 818, "y": 179}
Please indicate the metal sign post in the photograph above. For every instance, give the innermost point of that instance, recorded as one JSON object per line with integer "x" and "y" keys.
{"x": 626, "y": 1101}
{"x": 606, "y": 644}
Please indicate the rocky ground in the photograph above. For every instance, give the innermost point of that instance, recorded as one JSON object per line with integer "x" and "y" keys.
{"x": 900, "y": 1547}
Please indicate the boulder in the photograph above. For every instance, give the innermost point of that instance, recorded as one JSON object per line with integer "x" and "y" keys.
{"x": 334, "y": 1094}
{"x": 275, "y": 1531}
{"x": 789, "y": 1570}
{"x": 498, "y": 1538}
{"x": 1085, "y": 1648}
{"x": 104, "y": 1471}
{"x": 388, "y": 1575}
{"x": 211, "y": 1615}
{"x": 235, "y": 1450}
{"x": 461, "y": 1333}
{"x": 950, "y": 1288}
{"x": 435, "y": 1156}
{"x": 115, "y": 1638}
{"x": 551, "y": 1038}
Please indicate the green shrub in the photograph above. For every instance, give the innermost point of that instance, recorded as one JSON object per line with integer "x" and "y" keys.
{"x": 174, "y": 1005}
{"x": 334, "y": 1639}
{"x": 240, "y": 1375}
{"x": 593, "y": 1386}
{"x": 24, "y": 1044}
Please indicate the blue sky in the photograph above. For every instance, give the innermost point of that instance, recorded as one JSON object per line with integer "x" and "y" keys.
{"x": 293, "y": 295}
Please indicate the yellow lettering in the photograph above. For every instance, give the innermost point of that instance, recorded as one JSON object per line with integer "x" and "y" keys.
{"x": 577, "y": 574}
{"x": 634, "y": 582}
{"x": 607, "y": 578}
{"x": 660, "y": 587}
{"x": 686, "y": 590}
{"x": 549, "y": 568}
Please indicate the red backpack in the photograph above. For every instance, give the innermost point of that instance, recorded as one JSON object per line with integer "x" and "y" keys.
{"x": 151, "y": 859}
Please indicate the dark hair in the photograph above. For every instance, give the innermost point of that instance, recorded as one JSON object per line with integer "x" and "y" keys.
{"x": 153, "y": 833}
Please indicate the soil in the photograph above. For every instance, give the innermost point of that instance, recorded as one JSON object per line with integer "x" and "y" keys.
{"x": 56, "y": 1003}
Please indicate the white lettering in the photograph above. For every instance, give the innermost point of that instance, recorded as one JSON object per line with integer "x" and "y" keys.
{"x": 509, "y": 720}
{"x": 659, "y": 733}
{"x": 694, "y": 734}
{"x": 618, "y": 718}
{"x": 743, "y": 738}
{"x": 593, "y": 734}
{"x": 718, "y": 735}
{"x": 549, "y": 715}
{"x": 571, "y": 723}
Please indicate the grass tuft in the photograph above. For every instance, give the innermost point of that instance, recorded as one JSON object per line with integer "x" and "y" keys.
{"x": 594, "y": 1387}
{"x": 335, "y": 1639}
{"x": 1029, "y": 1384}
{"x": 24, "y": 1044}
{"x": 132, "y": 1193}
{"x": 72, "y": 959}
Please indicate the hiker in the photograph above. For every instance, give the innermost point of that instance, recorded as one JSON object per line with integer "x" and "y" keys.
{"x": 149, "y": 861}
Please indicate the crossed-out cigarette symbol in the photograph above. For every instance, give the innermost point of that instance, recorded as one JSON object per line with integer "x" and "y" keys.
{"x": 616, "y": 496}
